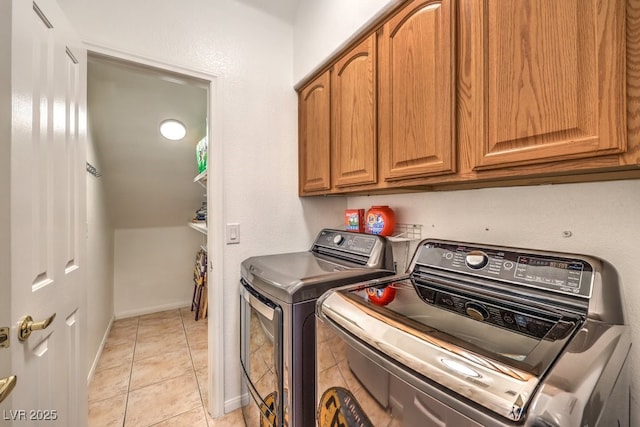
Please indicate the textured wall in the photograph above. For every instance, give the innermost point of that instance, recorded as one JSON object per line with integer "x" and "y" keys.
{"x": 322, "y": 27}
{"x": 153, "y": 269}
{"x": 99, "y": 261}
{"x": 251, "y": 52}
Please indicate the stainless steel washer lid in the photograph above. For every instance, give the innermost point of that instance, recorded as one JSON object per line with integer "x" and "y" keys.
{"x": 301, "y": 276}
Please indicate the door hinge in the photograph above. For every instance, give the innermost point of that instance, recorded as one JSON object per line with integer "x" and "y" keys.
{"x": 4, "y": 338}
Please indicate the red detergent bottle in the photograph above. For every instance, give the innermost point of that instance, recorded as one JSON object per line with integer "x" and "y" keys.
{"x": 380, "y": 220}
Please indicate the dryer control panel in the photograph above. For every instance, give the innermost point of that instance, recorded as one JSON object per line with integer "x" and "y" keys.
{"x": 356, "y": 243}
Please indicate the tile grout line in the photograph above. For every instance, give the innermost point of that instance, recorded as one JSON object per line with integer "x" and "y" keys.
{"x": 187, "y": 343}
{"x": 195, "y": 374}
{"x": 192, "y": 369}
{"x": 126, "y": 403}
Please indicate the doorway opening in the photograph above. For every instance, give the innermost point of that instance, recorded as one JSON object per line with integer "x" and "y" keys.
{"x": 144, "y": 193}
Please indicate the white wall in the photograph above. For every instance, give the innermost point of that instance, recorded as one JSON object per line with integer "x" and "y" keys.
{"x": 252, "y": 53}
{"x": 99, "y": 262}
{"x": 153, "y": 269}
{"x": 323, "y": 27}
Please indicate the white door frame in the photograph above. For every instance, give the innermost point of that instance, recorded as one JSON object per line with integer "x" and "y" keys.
{"x": 215, "y": 236}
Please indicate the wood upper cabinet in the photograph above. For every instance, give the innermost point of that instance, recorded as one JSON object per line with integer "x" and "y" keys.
{"x": 549, "y": 78}
{"x": 416, "y": 92}
{"x": 314, "y": 139}
{"x": 353, "y": 109}
{"x": 468, "y": 93}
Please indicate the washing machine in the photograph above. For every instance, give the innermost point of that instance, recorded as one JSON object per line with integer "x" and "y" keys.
{"x": 476, "y": 335}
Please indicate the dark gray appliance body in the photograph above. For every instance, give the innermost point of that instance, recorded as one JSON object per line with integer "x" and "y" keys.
{"x": 477, "y": 335}
{"x": 278, "y": 294}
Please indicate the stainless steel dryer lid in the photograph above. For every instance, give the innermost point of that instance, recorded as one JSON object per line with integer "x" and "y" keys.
{"x": 336, "y": 258}
{"x": 300, "y": 276}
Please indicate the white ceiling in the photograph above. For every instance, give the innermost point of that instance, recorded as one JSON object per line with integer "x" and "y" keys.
{"x": 148, "y": 179}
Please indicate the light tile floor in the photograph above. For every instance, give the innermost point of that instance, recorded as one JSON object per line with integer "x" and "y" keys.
{"x": 153, "y": 372}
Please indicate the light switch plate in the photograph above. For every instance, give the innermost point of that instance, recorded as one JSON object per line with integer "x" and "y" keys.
{"x": 232, "y": 233}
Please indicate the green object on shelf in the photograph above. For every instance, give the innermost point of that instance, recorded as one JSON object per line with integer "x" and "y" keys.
{"x": 201, "y": 154}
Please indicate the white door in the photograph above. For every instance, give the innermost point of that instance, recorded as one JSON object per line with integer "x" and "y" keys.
{"x": 42, "y": 214}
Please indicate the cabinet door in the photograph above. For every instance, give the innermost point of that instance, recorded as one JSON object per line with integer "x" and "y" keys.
{"x": 314, "y": 136}
{"x": 553, "y": 79}
{"x": 416, "y": 92}
{"x": 353, "y": 101}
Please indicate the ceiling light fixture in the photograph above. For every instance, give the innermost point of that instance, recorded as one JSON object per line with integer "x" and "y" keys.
{"x": 172, "y": 129}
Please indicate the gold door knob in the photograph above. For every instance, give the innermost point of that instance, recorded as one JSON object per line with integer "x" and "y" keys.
{"x": 6, "y": 386}
{"x": 27, "y": 325}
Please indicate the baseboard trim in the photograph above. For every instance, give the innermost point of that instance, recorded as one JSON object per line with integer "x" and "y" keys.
{"x": 147, "y": 310}
{"x": 235, "y": 403}
{"x": 94, "y": 365}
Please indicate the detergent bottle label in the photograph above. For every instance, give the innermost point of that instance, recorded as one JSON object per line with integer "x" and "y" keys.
{"x": 375, "y": 222}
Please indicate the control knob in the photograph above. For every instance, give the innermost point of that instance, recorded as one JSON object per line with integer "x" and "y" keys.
{"x": 476, "y": 311}
{"x": 476, "y": 260}
{"x": 337, "y": 239}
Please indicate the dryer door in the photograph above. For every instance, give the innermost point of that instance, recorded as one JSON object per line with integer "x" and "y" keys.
{"x": 261, "y": 356}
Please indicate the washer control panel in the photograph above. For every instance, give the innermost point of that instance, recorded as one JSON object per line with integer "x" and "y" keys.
{"x": 552, "y": 272}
